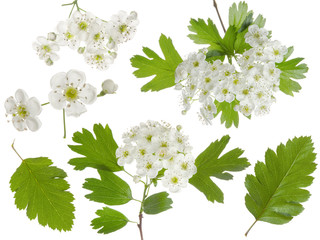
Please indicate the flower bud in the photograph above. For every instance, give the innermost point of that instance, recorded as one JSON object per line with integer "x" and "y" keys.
{"x": 49, "y": 62}
{"x": 81, "y": 50}
{"x": 109, "y": 87}
{"x": 52, "y": 36}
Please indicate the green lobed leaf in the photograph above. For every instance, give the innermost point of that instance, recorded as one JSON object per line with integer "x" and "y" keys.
{"x": 99, "y": 152}
{"x": 276, "y": 191}
{"x": 163, "y": 69}
{"x": 109, "y": 221}
{"x": 42, "y": 190}
{"x": 291, "y": 69}
{"x": 210, "y": 164}
{"x": 228, "y": 115}
{"x": 213, "y": 55}
{"x": 157, "y": 203}
{"x": 238, "y": 14}
{"x": 111, "y": 189}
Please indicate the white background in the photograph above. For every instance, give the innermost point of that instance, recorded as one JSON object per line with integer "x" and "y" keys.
{"x": 292, "y": 22}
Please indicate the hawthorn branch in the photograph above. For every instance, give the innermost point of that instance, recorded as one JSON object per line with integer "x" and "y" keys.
{"x": 216, "y": 7}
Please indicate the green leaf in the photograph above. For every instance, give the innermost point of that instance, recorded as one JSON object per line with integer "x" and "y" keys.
{"x": 228, "y": 115}
{"x": 291, "y": 70}
{"x": 210, "y": 164}
{"x": 99, "y": 152}
{"x": 205, "y": 33}
{"x": 163, "y": 69}
{"x": 276, "y": 190}
{"x": 260, "y": 21}
{"x": 157, "y": 203}
{"x": 228, "y": 41}
{"x": 41, "y": 189}
{"x": 238, "y": 14}
{"x": 109, "y": 221}
{"x": 246, "y": 23}
{"x": 111, "y": 189}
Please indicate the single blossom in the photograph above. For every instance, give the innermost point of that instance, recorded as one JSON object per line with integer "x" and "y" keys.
{"x": 24, "y": 111}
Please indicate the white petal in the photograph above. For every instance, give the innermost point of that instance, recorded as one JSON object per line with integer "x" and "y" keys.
{"x": 54, "y": 57}
{"x": 19, "y": 123}
{"x": 77, "y": 15}
{"x": 54, "y": 47}
{"x": 10, "y": 105}
{"x": 33, "y": 106}
{"x": 62, "y": 27}
{"x": 33, "y": 123}
{"x": 83, "y": 36}
{"x": 57, "y": 100}
{"x": 76, "y": 78}
{"x": 75, "y": 109}
{"x": 88, "y": 94}
{"x": 21, "y": 96}
{"x": 58, "y": 81}
{"x": 42, "y": 40}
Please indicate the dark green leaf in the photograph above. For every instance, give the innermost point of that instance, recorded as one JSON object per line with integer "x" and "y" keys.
{"x": 99, "y": 152}
{"x": 246, "y": 23}
{"x": 157, "y": 203}
{"x": 238, "y": 14}
{"x": 210, "y": 164}
{"x": 276, "y": 191}
{"x": 291, "y": 70}
{"x": 41, "y": 189}
{"x": 109, "y": 220}
{"x": 111, "y": 189}
{"x": 228, "y": 115}
{"x": 163, "y": 69}
{"x": 213, "y": 55}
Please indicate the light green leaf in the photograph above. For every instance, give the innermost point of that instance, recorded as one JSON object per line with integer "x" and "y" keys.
{"x": 260, "y": 21}
{"x": 276, "y": 191}
{"x": 246, "y": 23}
{"x": 41, "y": 189}
{"x": 99, "y": 152}
{"x": 205, "y": 33}
{"x": 157, "y": 203}
{"x": 163, "y": 69}
{"x": 238, "y": 14}
{"x": 111, "y": 189}
{"x": 210, "y": 164}
{"x": 291, "y": 70}
{"x": 228, "y": 115}
{"x": 109, "y": 221}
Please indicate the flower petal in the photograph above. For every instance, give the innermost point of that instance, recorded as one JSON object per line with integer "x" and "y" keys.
{"x": 42, "y": 40}
{"x": 88, "y": 94}
{"x": 33, "y": 106}
{"x": 62, "y": 27}
{"x": 83, "y": 36}
{"x": 10, "y": 105}
{"x": 58, "y": 81}
{"x": 33, "y": 123}
{"x": 75, "y": 109}
{"x": 19, "y": 123}
{"x": 76, "y": 78}
{"x": 57, "y": 100}
{"x": 21, "y": 96}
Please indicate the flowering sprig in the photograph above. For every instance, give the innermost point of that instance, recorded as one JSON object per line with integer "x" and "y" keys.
{"x": 96, "y": 39}
{"x": 70, "y": 93}
{"x": 248, "y": 87}
{"x": 160, "y": 153}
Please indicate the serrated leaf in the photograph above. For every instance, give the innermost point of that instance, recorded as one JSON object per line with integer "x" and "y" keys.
{"x": 41, "y": 189}
{"x": 109, "y": 221}
{"x": 291, "y": 70}
{"x": 228, "y": 115}
{"x": 157, "y": 203}
{"x": 238, "y": 14}
{"x": 213, "y": 55}
{"x": 260, "y": 21}
{"x": 99, "y": 152}
{"x": 110, "y": 190}
{"x": 228, "y": 41}
{"x": 246, "y": 23}
{"x": 163, "y": 69}
{"x": 210, "y": 164}
{"x": 276, "y": 191}
{"x": 205, "y": 33}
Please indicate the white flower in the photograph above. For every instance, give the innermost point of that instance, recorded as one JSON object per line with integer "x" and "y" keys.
{"x": 80, "y": 24}
{"x": 125, "y": 154}
{"x": 46, "y": 50}
{"x": 275, "y": 51}
{"x": 136, "y": 179}
{"x": 174, "y": 180}
{"x": 100, "y": 58}
{"x": 256, "y": 36}
{"x": 109, "y": 87}
{"x": 122, "y": 27}
{"x": 70, "y": 91}
{"x": 149, "y": 167}
{"x": 24, "y": 111}
{"x": 67, "y": 36}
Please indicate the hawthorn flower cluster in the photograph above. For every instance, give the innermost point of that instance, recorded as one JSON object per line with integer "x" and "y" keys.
{"x": 96, "y": 39}
{"x": 251, "y": 88}
{"x": 157, "y": 146}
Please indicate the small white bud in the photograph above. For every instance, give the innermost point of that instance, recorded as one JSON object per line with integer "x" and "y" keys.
{"x": 81, "y": 50}
{"x": 52, "y": 36}
{"x": 109, "y": 87}
{"x": 49, "y": 62}
{"x": 136, "y": 179}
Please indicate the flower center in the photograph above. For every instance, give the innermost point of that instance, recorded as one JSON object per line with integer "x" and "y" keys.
{"x": 98, "y": 58}
{"x": 148, "y": 166}
{"x": 276, "y": 52}
{"x": 69, "y": 35}
{"x": 225, "y": 91}
{"x": 142, "y": 152}
{"x": 208, "y": 80}
{"x": 125, "y": 154}
{"x": 22, "y": 112}
{"x": 96, "y": 37}
{"x": 184, "y": 166}
{"x": 245, "y": 92}
{"x": 71, "y": 93}
{"x": 174, "y": 180}
{"x": 83, "y": 26}
{"x": 256, "y": 35}
{"x": 149, "y": 137}
{"x": 196, "y": 64}
{"x": 227, "y": 73}
{"x": 123, "y": 28}
{"x": 46, "y": 48}
{"x": 164, "y": 144}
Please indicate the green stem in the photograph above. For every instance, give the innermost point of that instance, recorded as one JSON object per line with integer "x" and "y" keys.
{"x": 246, "y": 234}
{"x": 16, "y": 151}
{"x": 64, "y": 124}
{"x": 230, "y": 59}
{"x": 43, "y": 104}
